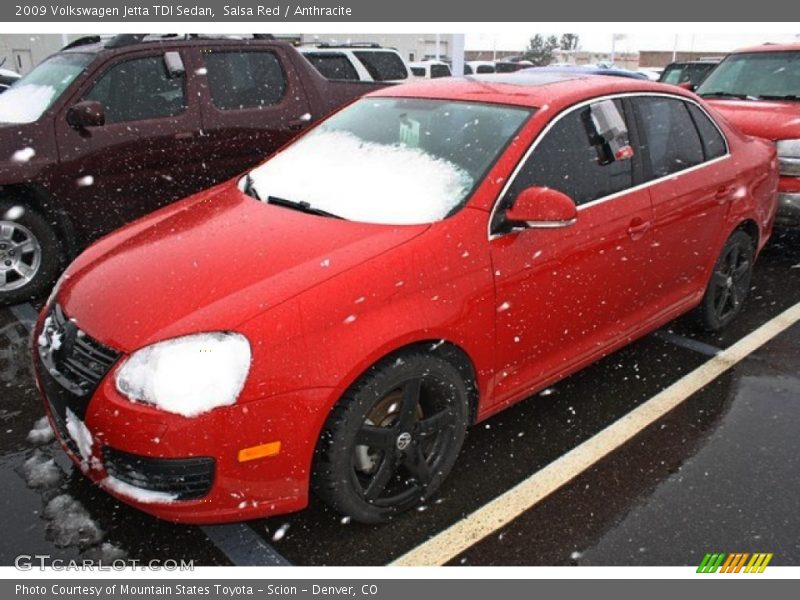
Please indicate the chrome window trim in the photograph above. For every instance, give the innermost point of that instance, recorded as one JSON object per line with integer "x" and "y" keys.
{"x": 582, "y": 104}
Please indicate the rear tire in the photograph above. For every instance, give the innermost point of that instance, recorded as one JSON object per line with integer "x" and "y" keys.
{"x": 729, "y": 283}
{"x": 30, "y": 254}
{"x": 393, "y": 438}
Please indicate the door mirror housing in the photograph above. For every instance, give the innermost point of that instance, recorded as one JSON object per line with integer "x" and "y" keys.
{"x": 88, "y": 113}
{"x": 543, "y": 207}
{"x": 686, "y": 85}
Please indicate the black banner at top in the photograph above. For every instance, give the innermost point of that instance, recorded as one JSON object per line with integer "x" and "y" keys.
{"x": 355, "y": 11}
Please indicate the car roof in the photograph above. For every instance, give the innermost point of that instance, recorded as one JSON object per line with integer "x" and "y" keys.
{"x": 99, "y": 44}
{"x": 526, "y": 89}
{"x": 769, "y": 48}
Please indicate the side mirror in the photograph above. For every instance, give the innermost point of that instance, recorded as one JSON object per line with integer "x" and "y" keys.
{"x": 543, "y": 207}
{"x": 87, "y": 113}
{"x": 686, "y": 85}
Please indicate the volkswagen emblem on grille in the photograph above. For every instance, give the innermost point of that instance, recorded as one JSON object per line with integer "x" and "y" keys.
{"x": 403, "y": 440}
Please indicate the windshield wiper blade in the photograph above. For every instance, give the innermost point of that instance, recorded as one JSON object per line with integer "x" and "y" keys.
{"x": 249, "y": 187}
{"x": 727, "y": 95}
{"x": 301, "y": 206}
{"x": 779, "y": 97}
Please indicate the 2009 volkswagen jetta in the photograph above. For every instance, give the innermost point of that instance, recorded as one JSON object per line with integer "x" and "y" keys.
{"x": 336, "y": 318}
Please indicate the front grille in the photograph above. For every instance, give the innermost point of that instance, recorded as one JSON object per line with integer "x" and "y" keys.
{"x": 185, "y": 478}
{"x": 61, "y": 426}
{"x": 74, "y": 361}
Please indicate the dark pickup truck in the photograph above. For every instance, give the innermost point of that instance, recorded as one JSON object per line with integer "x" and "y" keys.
{"x": 107, "y": 130}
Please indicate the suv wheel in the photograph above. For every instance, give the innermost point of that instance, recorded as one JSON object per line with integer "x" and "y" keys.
{"x": 30, "y": 254}
{"x": 392, "y": 438}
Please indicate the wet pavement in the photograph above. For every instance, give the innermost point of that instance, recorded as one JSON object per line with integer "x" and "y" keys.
{"x": 719, "y": 473}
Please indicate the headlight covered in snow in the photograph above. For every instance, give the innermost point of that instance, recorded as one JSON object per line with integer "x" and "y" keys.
{"x": 188, "y": 375}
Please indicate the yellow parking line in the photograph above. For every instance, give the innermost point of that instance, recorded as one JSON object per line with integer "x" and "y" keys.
{"x": 499, "y": 512}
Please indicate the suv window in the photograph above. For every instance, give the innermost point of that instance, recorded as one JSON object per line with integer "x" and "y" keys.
{"x": 568, "y": 159}
{"x": 439, "y": 71}
{"x": 713, "y": 143}
{"x": 239, "y": 80}
{"x": 671, "y": 142}
{"x": 418, "y": 71}
{"x": 383, "y": 66}
{"x": 333, "y": 66}
{"x": 139, "y": 89}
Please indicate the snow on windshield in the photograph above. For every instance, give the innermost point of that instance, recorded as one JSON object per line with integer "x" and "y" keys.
{"x": 25, "y": 103}
{"x": 364, "y": 181}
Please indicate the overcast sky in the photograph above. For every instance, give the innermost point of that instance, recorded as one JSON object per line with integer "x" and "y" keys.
{"x": 633, "y": 42}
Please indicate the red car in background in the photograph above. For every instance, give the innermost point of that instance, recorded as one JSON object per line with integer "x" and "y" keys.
{"x": 336, "y": 318}
{"x": 758, "y": 90}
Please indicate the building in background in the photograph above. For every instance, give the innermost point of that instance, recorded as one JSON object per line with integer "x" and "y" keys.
{"x": 21, "y": 52}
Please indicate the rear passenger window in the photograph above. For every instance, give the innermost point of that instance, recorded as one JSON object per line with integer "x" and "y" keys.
{"x": 239, "y": 80}
{"x": 333, "y": 66}
{"x": 713, "y": 142}
{"x": 568, "y": 160}
{"x": 138, "y": 89}
{"x": 671, "y": 142}
{"x": 383, "y": 66}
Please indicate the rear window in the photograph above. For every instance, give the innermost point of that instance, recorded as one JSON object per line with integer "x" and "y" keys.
{"x": 486, "y": 69}
{"x": 672, "y": 142}
{"x": 713, "y": 142}
{"x": 333, "y": 66}
{"x": 383, "y": 66}
{"x": 418, "y": 71}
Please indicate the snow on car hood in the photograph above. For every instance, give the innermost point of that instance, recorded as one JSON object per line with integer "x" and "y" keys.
{"x": 25, "y": 103}
{"x": 762, "y": 118}
{"x": 209, "y": 263}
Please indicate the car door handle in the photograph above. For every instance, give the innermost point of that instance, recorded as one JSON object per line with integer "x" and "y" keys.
{"x": 724, "y": 193}
{"x": 184, "y": 135}
{"x": 300, "y": 121}
{"x": 638, "y": 228}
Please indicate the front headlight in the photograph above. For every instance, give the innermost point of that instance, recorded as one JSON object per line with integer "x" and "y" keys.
{"x": 789, "y": 157}
{"x": 188, "y": 375}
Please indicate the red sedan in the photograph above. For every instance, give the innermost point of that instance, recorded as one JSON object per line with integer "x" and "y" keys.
{"x": 335, "y": 319}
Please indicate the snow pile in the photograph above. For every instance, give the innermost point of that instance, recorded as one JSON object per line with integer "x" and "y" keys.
{"x": 41, "y": 433}
{"x": 14, "y": 213}
{"x": 24, "y": 154}
{"x": 364, "y": 181}
{"x": 80, "y": 434}
{"x": 136, "y": 493}
{"x": 25, "y": 103}
{"x": 70, "y": 523}
{"x": 106, "y": 553}
{"x": 188, "y": 376}
{"x": 41, "y": 471}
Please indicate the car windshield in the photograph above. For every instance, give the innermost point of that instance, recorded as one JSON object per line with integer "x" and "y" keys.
{"x": 755, "y": 75}
{"x": 31, "y": 96}
{"x": 390, "y": 160}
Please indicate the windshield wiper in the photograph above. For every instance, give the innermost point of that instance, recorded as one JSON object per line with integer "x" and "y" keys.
{"x": 727, "y": 95}
{"x": 301, "y": 206}
{"x": 249, "y": 187}
{"x": 779, "y": 97}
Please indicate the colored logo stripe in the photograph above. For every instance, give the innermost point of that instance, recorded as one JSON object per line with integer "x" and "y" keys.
{"x": 734, "y": 562}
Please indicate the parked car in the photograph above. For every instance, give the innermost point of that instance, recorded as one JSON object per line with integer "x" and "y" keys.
{"x": 478, "y": 67}
{"x": 758, "y": 90}
{"x": 575, "y": 70}
{"x": 357, "y": 62}
{"x": 507, "y": 66}
{"x": 108, "y": 130}
{"x": 431, "y": 254}
{"x": 7, "y": 77}
{"x": 690, "y": 72}
{"x": 653, "y": 74}
{"x": 430, "y": 69}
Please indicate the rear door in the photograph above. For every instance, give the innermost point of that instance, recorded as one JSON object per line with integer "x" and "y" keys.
{"x": 253, "y": 103}
{"x": 692, "y": 184}
{"x": 143, "y": 157}
{"x": 565, "y": 294}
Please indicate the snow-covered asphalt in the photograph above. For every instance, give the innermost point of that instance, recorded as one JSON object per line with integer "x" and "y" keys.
{"x": 715, "y": 470}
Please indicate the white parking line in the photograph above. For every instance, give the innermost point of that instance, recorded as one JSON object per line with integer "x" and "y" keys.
{"x": 494, "y": 515}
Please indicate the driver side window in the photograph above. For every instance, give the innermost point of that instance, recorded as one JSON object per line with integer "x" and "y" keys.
{"x": 139, "y": 89}
{"x": 570, "y": 159}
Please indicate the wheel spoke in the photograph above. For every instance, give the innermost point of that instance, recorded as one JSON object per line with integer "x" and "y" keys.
{"x": 720, "y": 278}
{"x": 6, "y": 231}
{"x": 375, "y": 437}
{"x": 722, "y": 301}
{"x": 24, "y": 270}
{"x": 381, "y": 478}
{"x": 741, "y": 270}
{"x": 408, "y": 406}
{"x": 419, "y": 467}
{"x": 434, "y": 424}
{"x": 26, "y": 246}
{"x": 733, "y": 257}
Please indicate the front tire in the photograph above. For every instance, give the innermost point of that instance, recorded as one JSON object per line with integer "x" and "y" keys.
{"x": 393, "y": 438}
{"x": 729, "y": 284}
{"x": 30, "y": 254}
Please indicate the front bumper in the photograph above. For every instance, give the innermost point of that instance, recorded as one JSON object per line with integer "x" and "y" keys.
{"x": 788, "y": 210}
{"x": 130, "y": 441}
